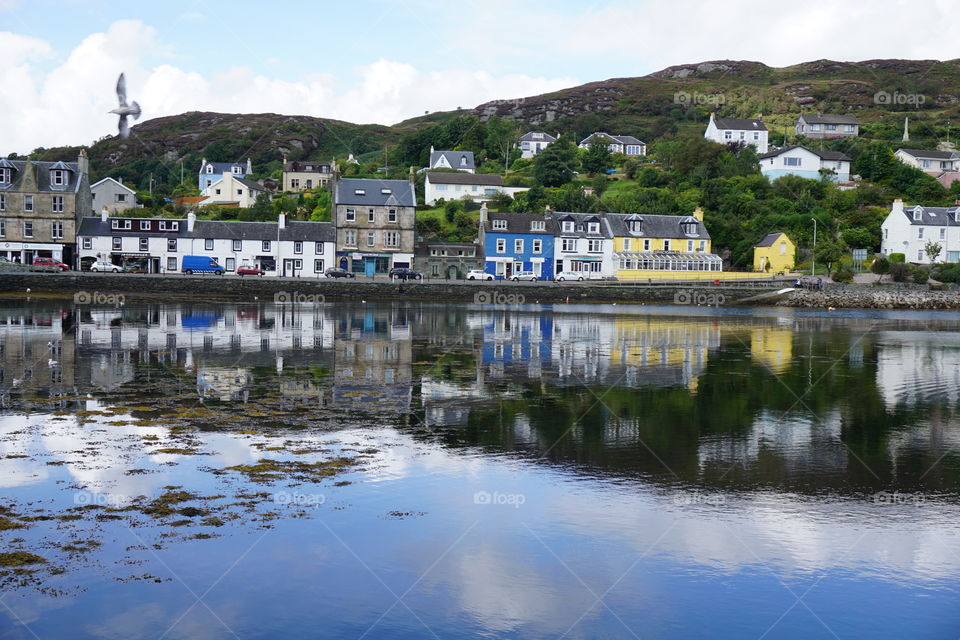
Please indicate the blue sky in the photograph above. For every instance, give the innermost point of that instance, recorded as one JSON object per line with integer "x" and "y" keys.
{"x": 384, "y": 61}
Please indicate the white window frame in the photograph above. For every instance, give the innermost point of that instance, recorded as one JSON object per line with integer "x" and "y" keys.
{"x": 537, "y": 245}
{"x": 568, "y": 245}
{"x": 87, "y": 243}
{"x": 144, "y": 245}
{"x": 56, "y": 230}
{"x": 28, "y": 203}
{"x": 371, "y": 238}
{"x": 116, "y": 243}
{"x": 208, "y": 244}
{"x": 350, "y": 215}
{"x": 171, "y": 245}
{"x": 57, "y": 205}
{"x": 501, "y": 245}
{"x": 391, "y": 215}
{"x": 518, "y": 245}
{"x": 298, "y": 247}
{"x": 318, "y": 248}
{"x": 237, "y": 245}
{"x": 265, "y": 245}
{"x": 171, "y": 263}
{"x": 27, "y": 224}
{"x": 144, "y": 225}
{"x": 318, "y": 265}
{"x": 499, "y": 224}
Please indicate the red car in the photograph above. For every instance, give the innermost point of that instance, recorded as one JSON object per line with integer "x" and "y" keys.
{"x": 247, "y": 270}
{"x": 50, "y": 262}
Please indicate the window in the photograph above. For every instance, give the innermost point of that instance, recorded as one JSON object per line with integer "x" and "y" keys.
{"x": 298, "y": 247}
{"x": 392, "y": 215}
{"x": 171, "y": 244}
{"x": 294, "y": 183}
{"x": 567, "y": 225}
{"x": 350, "y": 237}
{"x": 265, "y": 245}
{"x": 703, "y": 245}
{"x": 538, "y": 225}
{"x": 501, "y": 245}
{"x": 58, "y": 178}
{"x": 87, "y": 243}
{"x": 144, "y": 244}
{"x": 391, "y": 239}
{"x": 666, "y": 245}
{"x": 626, "y": 244}
{"x": 525, "y": 146}
{"x": 231, "y": 264}
{"x": 169, "y": 225}
{"x": 56, "y": 230}
{"x": 728, "y": 135}
{"x": 920, "y": 255}
{"x": 298, "y": 264}
{"x": 783, "y": 248}
{"x": 917, "y": 215}
{"x": 318, "y": 266}
{"x": 239, "y": 192}
{"x": 440, "y": 187}
{"x": 117, "y": 243}
{"x": 943, "y": 233}
{"x": 538, "y": 246}
{"x": 633, "y": 150}
{"x": 636, "y": 226}
{"x": 28, "y": 203}
{"x": 309, "y": 183}
{"x": 209, "y": 168}
{"x": 318, "y": 248}
{"x": 27, "y": 229}
{"x": 646, "y": 244}
{"x": 593, "y": 227}
{"x": 120, "y": 224}
{"x": 217, "y": 191}
{"x": 920, "y": 233}
{"x": 689, "y": 246}
{"x": 121, "y": 197}
{"x": 569, "y": 244}
{"x": 499, "y": 224}
{"x": 595, "y": 246}
{"x": 351, "y": 215}
{"x": 3, "y": 202}
{"x": 371, "y": 238}
{"x": 57, "y": 204}
{"x": 171, "y": 264}
{"x": 518, "y": 245}
{"x": 208, "y": 244}
{"x": 4, "y": 176}
{"x": 791, "y": 162}
{"x": 369, "y": 215}
{"x": 237, "y": 244}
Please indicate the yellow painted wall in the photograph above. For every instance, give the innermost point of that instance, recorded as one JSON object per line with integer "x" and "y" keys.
{"x": 656, "y": 244}
{"x": 634, "y": 275}
{"x": 771, "y": 255}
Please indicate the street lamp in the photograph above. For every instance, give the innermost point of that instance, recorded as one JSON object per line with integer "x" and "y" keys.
{"x": 813, "y": 270}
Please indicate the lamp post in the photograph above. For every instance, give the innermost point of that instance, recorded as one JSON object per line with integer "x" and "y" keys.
{"x": 813, "y": 270}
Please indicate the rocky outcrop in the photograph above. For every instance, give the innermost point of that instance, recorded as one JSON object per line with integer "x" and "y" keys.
{"x": 887, "y": 297}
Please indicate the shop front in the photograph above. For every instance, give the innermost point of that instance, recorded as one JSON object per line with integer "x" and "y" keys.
{"x": 370, "y": 264}
{"x": 25, "y": 252}
{"x": 136, "y": 262}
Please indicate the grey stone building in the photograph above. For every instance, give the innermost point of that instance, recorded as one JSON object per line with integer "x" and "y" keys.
{"x": 112, "y": 195}
{"x": 447, "y": 260}
{"x": 375, "y": 222}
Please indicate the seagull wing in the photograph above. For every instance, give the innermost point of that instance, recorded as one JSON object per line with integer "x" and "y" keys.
{"x": 124, "y": 128}
{"x": 122, "y": 90}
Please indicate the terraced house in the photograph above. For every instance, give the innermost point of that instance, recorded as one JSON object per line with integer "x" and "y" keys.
{"x": 375, "y": 222}
{"x": 515, "y": 242}
{"x": 656, "y": 247}
{"x": 40, "y": 206}
{"x": 583, "y": 244}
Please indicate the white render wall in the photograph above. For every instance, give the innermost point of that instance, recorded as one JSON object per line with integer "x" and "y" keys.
{"x": 581, "y": 245}
{"x": 737, "y": 135}
{"x": 900, "y": 236}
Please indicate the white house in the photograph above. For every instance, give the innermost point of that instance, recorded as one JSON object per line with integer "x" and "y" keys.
{"x": 158, "y": 245}
{"x": 627, "y": 145}
{"x": 533, "y": 142}
{"x": 457, "y": 186}
{"x": 932, "y": 162}
{"x": 803, "y": 162}
{"x": 750, "y": 131}
{"x": 232, "y": 191}
{"x": 907, "y": 230}
{"x": 459, "y": 160}
{"x": 210, "y": 172}
{"x": 114, "y": 195}
{"x": 583, "y": 243}
{"x": 821, "y": 125}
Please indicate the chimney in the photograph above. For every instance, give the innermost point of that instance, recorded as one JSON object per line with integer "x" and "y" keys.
{"x": 431, "y": 149}
{"x": 83, "y": 165}
{"x": 412, "y": 176}
{"x": 249, "y": 166}
{"x": 698, "y": 214}
{"x": 191, "y": 220}
{"x": 483, "y": 212}
{"x": 897, "y": 205}
{"x": 284, "y": 162}
{"x": 104, "y": 214}
{"x": 203, "y": 163}
{"x": 282, "y": 221}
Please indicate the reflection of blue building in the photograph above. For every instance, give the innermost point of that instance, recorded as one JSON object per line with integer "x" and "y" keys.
{"x": 515, "y": 242}
{"x": 512, "y": 340}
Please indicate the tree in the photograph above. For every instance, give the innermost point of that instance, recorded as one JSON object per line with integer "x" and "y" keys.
{"x": 828, "y": 253}
{"x": 501, "y": 138}
{"x": 932, "y": 249}
{"x": 880, "y": 266}
{"x": 553, "y": 167}
{"x": 322, "y": 207}
{"x": 597, "y": 158}
{"x": 600, "y": 183}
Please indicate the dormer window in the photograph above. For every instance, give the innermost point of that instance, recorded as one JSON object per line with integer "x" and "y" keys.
{"x": 917, "y": 214}
{"x": 689, "y": 226}
{"x": 635, "y": 226}
{"x": 593, "y": 227}
{"x": 5, "y": 176}
{"x": 500, "y": 224}
{"x": 209, "y": 168}
{"x": 568, "y": 226}
{"x": 537, "y": 225}
{"x": 463, "y": 161}
{"x": 58, "y": 177}
{"x": 237, "y": 170}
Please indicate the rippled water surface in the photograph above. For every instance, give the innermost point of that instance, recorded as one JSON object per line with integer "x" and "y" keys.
{"x": 399, "y": 470}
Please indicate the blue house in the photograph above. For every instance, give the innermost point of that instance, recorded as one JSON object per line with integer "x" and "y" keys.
{"x": 515, "y": 242}
{"x": 210, "y": 172}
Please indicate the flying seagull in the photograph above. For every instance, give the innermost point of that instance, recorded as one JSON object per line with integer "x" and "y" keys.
{"x": 124, "y": 109}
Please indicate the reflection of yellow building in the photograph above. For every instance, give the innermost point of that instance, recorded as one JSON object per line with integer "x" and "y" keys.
{"x": 774, "y": 254}
{"x": 654, "y": 347}
{"x": 772, "y": 347}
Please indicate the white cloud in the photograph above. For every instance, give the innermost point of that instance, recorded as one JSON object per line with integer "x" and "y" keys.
{"x": 69, "y": 104}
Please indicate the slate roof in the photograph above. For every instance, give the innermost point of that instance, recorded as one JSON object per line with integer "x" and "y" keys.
{"x": 309, "y": 231}
{"x": 769, "y": 239}
{"x": 616, "y": 139}
{"x": 422, "y": 249}
{"x": 517, "y": 223}
{"x": 401, "y": 192}
{"x": 748, "y": 124}
{"x": 300, "y": 166}
{"x": 113, "y": 180}
{"x": 250, "y": 184}
{"x": 484, "y": 179}
{"x": 580, "y": 226}
{"x": 453, "y": 157}
{"x": 224, "y": 167}
{"x": 825, "y": 118}
{"x": 823, "y": 155}
{"x": 654, "y": 226}
{"x": 936, "y": 216}
{"x": 545, "y": 137}
{"x": 230, "y": 229}
{"x": 42, "y": 174}
{"x": 935, "y": 155}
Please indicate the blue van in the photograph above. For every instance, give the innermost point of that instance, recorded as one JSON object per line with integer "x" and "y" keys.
{"x": 200, "y": 264}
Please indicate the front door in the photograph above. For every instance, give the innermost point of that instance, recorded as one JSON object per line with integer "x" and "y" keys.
{"x": 508, "y": 270}
{"x": 287, "y": 267}
{"x": 343, "y": 264}
{"x": 370, "y": 267}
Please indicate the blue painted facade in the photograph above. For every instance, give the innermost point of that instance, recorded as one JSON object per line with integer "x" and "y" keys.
{"x": 511, "y": 258}
{"x": 205, "y": 179}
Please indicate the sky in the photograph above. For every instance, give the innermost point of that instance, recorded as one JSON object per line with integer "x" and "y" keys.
{"x": 382, "y": 61}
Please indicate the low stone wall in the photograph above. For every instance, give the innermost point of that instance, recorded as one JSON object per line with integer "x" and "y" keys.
{"x": 873, "y": 297}
{"x": 209, "y": 287}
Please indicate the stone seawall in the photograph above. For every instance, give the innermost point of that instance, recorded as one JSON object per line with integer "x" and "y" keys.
{"x": 209, "y": 287}
{"x": 872, "y": 297}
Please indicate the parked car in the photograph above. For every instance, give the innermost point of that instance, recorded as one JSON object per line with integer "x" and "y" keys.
{"x": 200, "y": 264}
{"x": 403, "y": 273}
{"x": 524, "y": 275}
{"x": 249, "y": 270}
{"x": 568, "y": 275}
{"x": 479, "y": 274}
{"x": 50, "y": 262}
{"x": 337, "y": 272}
{"x": 105, "y": 267}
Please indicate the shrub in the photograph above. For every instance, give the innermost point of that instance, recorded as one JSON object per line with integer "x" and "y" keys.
{"x": 897, "y": 258}
{"x": 843, "y": 275}
{"x": 920, "y": 276}
{"x": 899, "y": 272}
{"x": 946, "y": 272}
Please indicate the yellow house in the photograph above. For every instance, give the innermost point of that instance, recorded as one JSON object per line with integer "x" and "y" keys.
{"x": 655, "y": 246}
{"x": 774, "y": 254}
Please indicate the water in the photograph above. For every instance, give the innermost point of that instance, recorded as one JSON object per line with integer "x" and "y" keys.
{"x": 425, "y": 470}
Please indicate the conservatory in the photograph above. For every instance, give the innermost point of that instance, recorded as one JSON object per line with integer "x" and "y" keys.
{"x": 667, "y": 261}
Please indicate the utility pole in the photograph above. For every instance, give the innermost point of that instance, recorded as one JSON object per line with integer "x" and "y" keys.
{"x": 151, "y": 183}
{"x": 813, "y": 270}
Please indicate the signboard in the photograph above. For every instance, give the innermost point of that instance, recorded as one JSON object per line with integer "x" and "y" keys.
{"x": 859, "y": 255}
